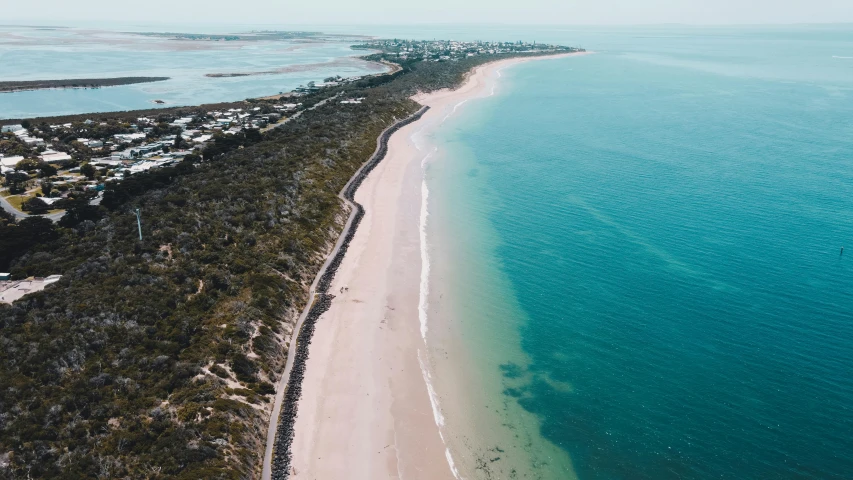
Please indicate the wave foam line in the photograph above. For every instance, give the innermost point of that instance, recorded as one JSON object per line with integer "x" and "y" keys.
{"x": 424, "y": 285}
{"x": 437, "y": 416}
{"x": 423, "y": 298}
{"x": 453, "y": 110}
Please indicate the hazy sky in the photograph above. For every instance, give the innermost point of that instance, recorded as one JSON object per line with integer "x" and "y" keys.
{"x": 566, "y": 12}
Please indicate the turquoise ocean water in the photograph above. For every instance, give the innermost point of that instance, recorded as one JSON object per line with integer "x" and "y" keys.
{"x": 663, "y": 224}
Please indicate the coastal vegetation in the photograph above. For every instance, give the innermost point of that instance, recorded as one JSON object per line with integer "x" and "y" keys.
{"x": 156, "y": 358}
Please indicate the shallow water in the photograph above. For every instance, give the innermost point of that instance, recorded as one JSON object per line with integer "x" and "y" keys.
{"x": 54, "y": 54}
{"x": 657, "y": 230}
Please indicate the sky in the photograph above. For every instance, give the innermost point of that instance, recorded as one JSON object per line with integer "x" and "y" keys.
{"x": 330, "y": 12}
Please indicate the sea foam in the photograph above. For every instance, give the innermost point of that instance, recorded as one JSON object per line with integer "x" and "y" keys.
{"x": 423, "y": 297}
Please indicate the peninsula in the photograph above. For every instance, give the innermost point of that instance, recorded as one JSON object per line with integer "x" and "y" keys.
{"x": 175, "y": 346}
{"x": 23, "y": 85}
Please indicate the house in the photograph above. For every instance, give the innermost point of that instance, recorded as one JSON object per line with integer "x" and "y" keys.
{"x": 106, "y": 161}
{"x": 55, "y": 157}
{"x": 10, "y": 161}
{"x": 32, "y": 141}
{"x": 5, "y": 276}
{"x": 11, "y": 128}
{"x": 128, "y": 137}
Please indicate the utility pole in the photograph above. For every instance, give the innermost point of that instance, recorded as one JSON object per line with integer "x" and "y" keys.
{"x": 139, "y": 224}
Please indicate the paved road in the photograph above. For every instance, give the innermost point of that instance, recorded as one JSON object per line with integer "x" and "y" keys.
{"x": 9, "y": 208}
{"x": 297, "y": 114}
{"x": 21, "y": 215}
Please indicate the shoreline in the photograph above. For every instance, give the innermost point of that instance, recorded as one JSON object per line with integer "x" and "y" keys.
{"x": 450, "y": 391}
{"x": 288, "y": 388}
{"x": 369, "y": 409}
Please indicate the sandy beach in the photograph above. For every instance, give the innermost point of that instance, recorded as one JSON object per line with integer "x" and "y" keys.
{"x": 366, "y": 410}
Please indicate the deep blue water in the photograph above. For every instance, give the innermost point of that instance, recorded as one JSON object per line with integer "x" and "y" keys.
{"x": 671, "y": 219}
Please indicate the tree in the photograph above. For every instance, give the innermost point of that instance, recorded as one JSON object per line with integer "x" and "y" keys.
{"x": 89, "y": 171}
{"x": 35, "y": 206}
{"x": 16, "y": 177}
{"x": 46, "y": 170}
{"x": 253, "y": 135}
{"x": 46, "y": 187}
{"x": 27, "y": 164}
{"x": 16, "y": 181}
{"x": 79, "y": 211}
{"x": 178, "y": 141}
{"x": 17, "y": 238}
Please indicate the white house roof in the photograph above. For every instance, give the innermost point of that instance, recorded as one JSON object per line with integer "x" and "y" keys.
{"x": 10, "y": 161}
{"x": 56, "y": 157}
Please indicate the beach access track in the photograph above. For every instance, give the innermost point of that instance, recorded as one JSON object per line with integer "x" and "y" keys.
{"x": 277, "y": 456}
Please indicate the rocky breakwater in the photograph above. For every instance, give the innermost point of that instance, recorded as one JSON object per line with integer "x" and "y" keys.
{"x": 284, "y": 433}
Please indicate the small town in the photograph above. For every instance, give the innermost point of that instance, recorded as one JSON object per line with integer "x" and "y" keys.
{"x": 449, "y": 50}
{"x": 45, "y": 165}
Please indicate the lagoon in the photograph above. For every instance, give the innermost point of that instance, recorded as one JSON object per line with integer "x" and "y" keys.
{"x": 38, "y": 53}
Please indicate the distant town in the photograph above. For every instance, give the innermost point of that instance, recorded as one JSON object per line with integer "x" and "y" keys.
{"x": 449, "y": 50}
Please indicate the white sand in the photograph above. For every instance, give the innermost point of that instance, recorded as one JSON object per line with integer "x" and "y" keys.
{"x": 365, "y": 411}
